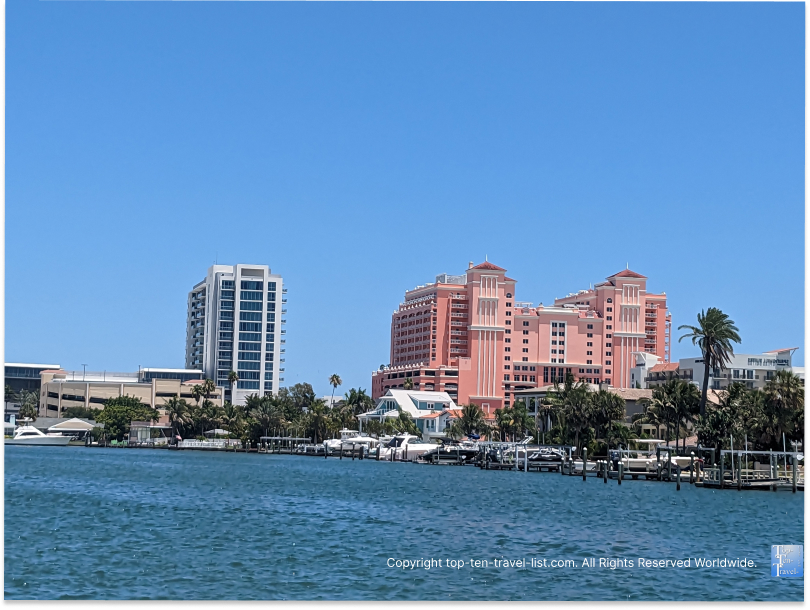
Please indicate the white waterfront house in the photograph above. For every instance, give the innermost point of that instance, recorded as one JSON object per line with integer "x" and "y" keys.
{"x": 234, "y": 323}
{"x": 754, "y": 370}
{"x": 432, "y": 411}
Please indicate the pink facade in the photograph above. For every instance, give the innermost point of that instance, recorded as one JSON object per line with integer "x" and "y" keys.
{"x": 468, "y": 336}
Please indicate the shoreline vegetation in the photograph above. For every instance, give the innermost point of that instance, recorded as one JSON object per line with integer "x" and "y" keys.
{"x": 571, "y": 414}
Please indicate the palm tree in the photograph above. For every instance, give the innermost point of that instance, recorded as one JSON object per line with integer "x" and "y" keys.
{"x": 408, "y": 384}
{"x": 784, "y": 403}
{"x": 197, "y": 392}
{"x": 232, "y": 379}
{"x": 318, "y": 420}
{"x": 208, "y": 387}
{"x": 685, "y": 400}
{"x": 661, "y": 407}
{"x": 713, "y": 334}
{"x": 178, "y": 412}
{"x": 471, "y": 421}
{"x": 606, "y": 408}
{"x": 334, "y": 381}
{"x": 29, "y": 404}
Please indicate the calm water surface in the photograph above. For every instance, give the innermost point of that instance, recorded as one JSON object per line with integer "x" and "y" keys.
{"x": 112, "y": 523}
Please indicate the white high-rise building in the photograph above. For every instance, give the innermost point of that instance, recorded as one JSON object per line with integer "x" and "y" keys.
{"x": 235, "y": 324}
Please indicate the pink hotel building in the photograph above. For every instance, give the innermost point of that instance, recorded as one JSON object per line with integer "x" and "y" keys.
{"x": 468, "y": 336}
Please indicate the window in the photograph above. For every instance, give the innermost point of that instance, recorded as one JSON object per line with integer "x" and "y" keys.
{"x": 608, "y": 354}
{"x": 226, "y": 315}
{"x": 607, "y": 372}
{"x": 589, "y": 362}
{"x": 250, "y": 347}
{"x": 506, "y": 367}
{"x": 226, "y": 326}
{"x": 227, "y": 294}
{"x": 268, "y": 385}
{"x": 248, "y": 295}
{"x": 590, "y": 335}
{"x": 225, "y": 336}
{"x": 608, "y": 336}
{"x": 524, "y": 378}
{"x": 507, "y": 331}
{"x": 610, "y": 317}
{"x": 271, "y": 286}
{"x": 553, "y": 325}
{"x": 525, "y": 359}
{"x": 226, "y": 345}
{"x": 249, "y": 356}
{"x": 554, "y": 351}
{"x": 589, "y": 353}
{"x": 268, "y": 357}
{"x": 581, "y": 371}
{"x": 609, "y": 300}
{"x": 507, "y": 349}
{"x": 525, "y": 332}
{"x": 250, "y": 327}
{"x": 525, "y": 350}
{"x": 247, "y": 385}
{"x": 610, "y": 309}
{"x": 508, "y": 313}
{"x": 251, "y": 285}
{"x": 249, "y": 375}
{"x": 249, "y": 366}
{"x": 508, "y": 322}
{"x": 590, "y": 327}
{"x": 507, "y": 358}
{"x": 250, "y": 336}
{"x": 251, "y": 315}
{"x": 508, "y": 295}
{"x": 271, "y": 296}
{"x": 506, "y": 377}
{"x": 507, "y": 340}
{"x": 609, "y": 327}
{"x": 532, "y": 378}
{"x": 589, "y": 344}
{"x": 250, "y": 306}
{"x": 509, "y": 304}
{"x": 269, "y": 347}
{"x": 271, "y": 328}
{"x": 228, "y": 285}
{"x": 271, "y": 307}
{"x": 268, "y": 376}
{"x": 526, "y": 341}
{"x": 270, "y": 337}
{"x": 608, "y": 345}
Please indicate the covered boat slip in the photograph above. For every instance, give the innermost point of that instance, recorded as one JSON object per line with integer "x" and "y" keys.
{"x": 281, "y": 444}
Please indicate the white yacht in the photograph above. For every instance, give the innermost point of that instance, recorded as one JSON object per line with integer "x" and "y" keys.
{"x": 405, "y": 447}
{"x": 349, "y": 439}
{"x": 29, "y": 435}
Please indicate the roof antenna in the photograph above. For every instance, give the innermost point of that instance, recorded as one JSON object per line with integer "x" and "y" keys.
{"x": 627, "y": 266}
{"x": 486, "y": 257}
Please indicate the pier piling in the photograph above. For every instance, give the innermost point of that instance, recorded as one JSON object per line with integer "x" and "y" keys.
{"x": 621, "y": 471}
{"x": 584, "y": 461}
{"x": 678, "y": 485}
{"x": 691, "y": 467}
{"x": 795, "y": 465}
{"x": 605, "y": 465}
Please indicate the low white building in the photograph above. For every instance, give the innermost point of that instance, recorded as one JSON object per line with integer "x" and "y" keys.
{"x": 432, "y": 411}
{"x": 754, "y": 370}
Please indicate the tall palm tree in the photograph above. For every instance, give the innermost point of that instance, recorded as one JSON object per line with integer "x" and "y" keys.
{"x": 208, "y": 387}
{"x": 784, "y": 402}
{"x": 685, "y": 400}
{"x": 408, "y": 383}
{"x": 713, "y": 334}
{"x": 471, "y": 421}
{"x": 232, "y": 379}
{"x": 334, "y": 381}
{"x": 606, "y": 408}
{"x": 197, "y": 392}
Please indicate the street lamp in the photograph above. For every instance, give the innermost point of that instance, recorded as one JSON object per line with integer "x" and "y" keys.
{"x": 84, "y": 371}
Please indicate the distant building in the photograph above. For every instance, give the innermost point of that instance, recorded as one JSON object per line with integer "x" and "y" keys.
{"x": 235, "y": 323}
{"x": 62, "y": 389}
{"x": 20, "y": 376}
{"x": 468, "y": 335}
{"x": 754, "y": 370}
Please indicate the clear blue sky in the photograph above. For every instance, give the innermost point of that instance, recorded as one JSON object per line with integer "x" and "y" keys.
{"x": 360, "y": 149}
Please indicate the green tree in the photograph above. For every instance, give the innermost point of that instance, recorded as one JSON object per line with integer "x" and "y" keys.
{"x": 120, "y": 412}
{"x": 408, "y": 383}
{"x": 29, "y": 404}
{"x": 471, "y": 421}
{"x": 783, "y": 409}
{"x": 81, "y": 412}
{"x": 232, "y": 379}
{"x": 178, "y": 411}
{"x": 334, "y": 381}
{"x": 714, "y": 334}
{"x": 358, "y": 401}
{"x": 606, "y": 407}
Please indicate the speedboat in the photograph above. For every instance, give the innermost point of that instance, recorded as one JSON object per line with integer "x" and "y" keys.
{"x": 29, "y": 435}
{"x": 405, "y": 447}
{"x": 546, "y": 454}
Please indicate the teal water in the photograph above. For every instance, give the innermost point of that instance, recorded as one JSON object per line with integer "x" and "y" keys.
{"x": 113, "y": 523}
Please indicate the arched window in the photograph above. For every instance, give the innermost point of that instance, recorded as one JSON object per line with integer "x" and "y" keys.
{"x": 508, "y": 295}
{"x": 609, "y": 300}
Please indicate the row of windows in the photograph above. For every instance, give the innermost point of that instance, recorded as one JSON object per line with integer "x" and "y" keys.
{"x": 250, "y": 316}
{"x": 250, "y": 347}
{"x": 228, "y": 285}
{"x": 249, "y": 295}
{"x": 226, "y": 326}
{"x": 250, "y": 306}
{"x": 245, "y": 375}
{"x": 247, "y": 385}
{"x": 226, "y": 336}
{"x": 251, "y": 285}
{"x": 249, "y": 356}
{"x": 249, "y": 366}
{"x": 227, "y": 294}
{"x": 227, "y": 305}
